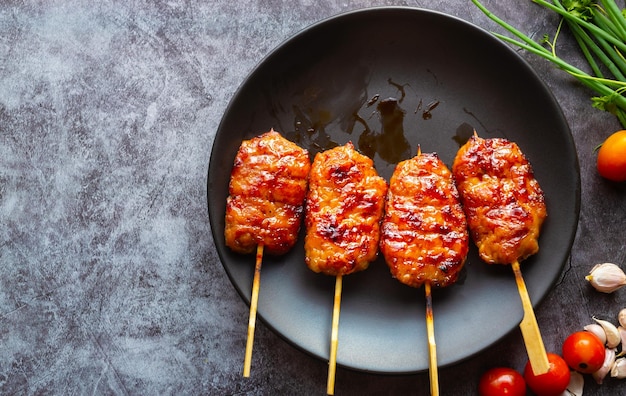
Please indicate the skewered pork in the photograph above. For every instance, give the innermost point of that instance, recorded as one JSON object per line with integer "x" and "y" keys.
{"x": 267, "y": 189}
{"x": 424, "y": 232}
{"x": 503, "y": 201}
{"x": 343, "y": 212}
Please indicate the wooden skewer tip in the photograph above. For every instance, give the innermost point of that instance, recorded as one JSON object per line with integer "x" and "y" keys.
{"x": 334, "y": 337}
{"x": 530, "y": 328}
{"x": 432, "y": 345}
{"x": 254, "y": 299}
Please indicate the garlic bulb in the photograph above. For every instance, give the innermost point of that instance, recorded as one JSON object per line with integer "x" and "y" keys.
{"x": 606, "y": 277}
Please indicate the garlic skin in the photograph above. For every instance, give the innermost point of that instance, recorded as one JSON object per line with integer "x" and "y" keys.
{"x": 613, "y": 338}
{"x": 618, "y": 370}
{"x": 596, "y": 330}
{"x": 609, "y": 359}
{"x": 606, "y": 277}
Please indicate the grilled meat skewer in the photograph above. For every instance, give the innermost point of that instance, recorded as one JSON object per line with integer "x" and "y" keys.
{"x": 267, "y": 188}
{"x": 343, "y": 214}
{"x": 505, "y": 208}
{"x": 424, "y": 234}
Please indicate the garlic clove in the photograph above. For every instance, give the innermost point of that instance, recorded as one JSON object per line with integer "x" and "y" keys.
{"x": 596, "y": 330}
{"x": 576, "y": 384}
{"x": 609, "y": 359}
{"x": 612, "y": 335}
{"x": 622, "y": 335}
{"x": 606, "y": 277}
{"x": 618, "y": 370}
{"x": 621, "y": 317}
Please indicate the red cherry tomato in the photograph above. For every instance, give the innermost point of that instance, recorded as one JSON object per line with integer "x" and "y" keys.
{"x": 611, "y": 162}
{"x": 583, "y": 352}
{"x": 552, "y": 383}
{"x": 500, "y": 381}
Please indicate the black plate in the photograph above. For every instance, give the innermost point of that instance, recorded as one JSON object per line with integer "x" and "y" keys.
{"x": 330, "y": 84}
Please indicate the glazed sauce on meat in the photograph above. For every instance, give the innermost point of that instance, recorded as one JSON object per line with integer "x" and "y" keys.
{"x": 267, "y": 188}
{"x": 343, "y": 212}
{"x": 424, "y": 231}
{"x": 503, "y": 201}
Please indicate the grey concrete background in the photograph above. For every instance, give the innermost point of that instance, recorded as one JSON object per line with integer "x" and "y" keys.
{"x": 109, "y": 279}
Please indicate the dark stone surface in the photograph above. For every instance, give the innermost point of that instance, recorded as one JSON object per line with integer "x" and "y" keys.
{"x": 109, "y": 278}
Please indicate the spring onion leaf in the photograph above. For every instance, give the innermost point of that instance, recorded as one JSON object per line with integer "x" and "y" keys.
{"x": 599, "y": 28}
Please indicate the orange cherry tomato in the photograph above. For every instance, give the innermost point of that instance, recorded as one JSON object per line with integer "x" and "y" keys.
{"x": 583, "y": 352}
{"x": 501, "y": 381}
{"x": 552, "y": 383}
{"x": 611, "y": 161}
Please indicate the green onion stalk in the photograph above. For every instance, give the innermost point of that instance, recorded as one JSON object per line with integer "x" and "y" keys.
{"x": 599, "y": 27}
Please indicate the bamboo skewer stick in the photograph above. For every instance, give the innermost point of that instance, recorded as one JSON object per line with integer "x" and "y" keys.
{"x": 334, "y": 337}
{"x": 432, "y": 346}
{"x": 530, "y": 329}
{"x": 253, "y": 308}
{"x": 430, "y": 329}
